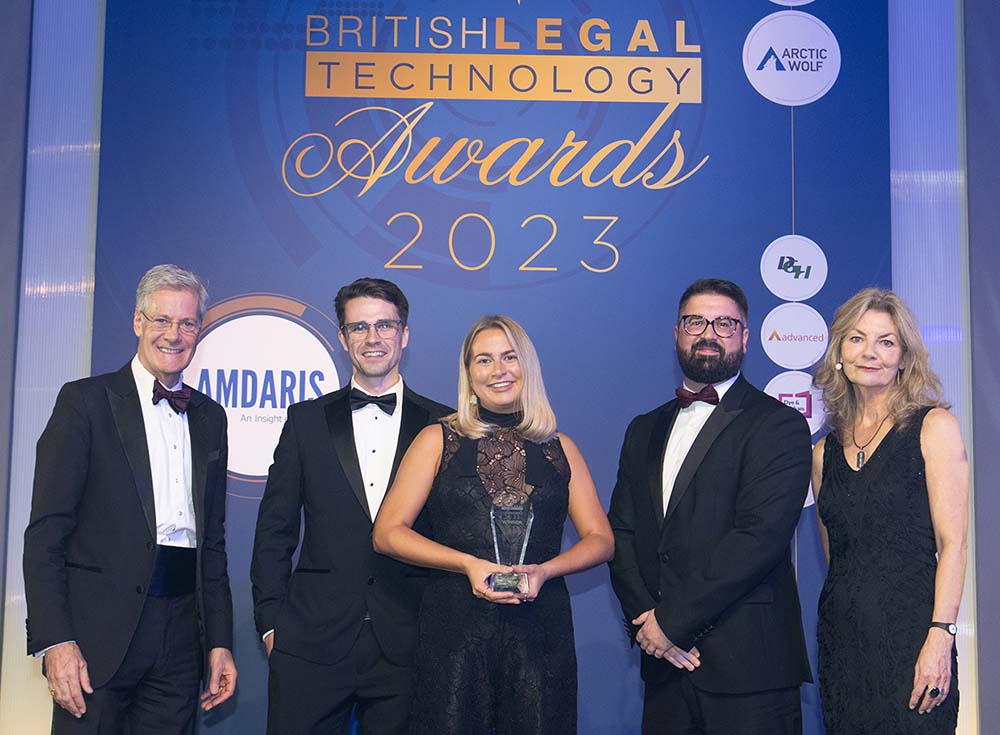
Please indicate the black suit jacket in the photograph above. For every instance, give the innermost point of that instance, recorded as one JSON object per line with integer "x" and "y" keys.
{"x": 317, "y": 610}
{"x": 91, "y": 541}
{"x": 717, "y": 565}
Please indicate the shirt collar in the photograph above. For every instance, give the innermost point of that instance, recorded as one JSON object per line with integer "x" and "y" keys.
{"x": 144, "y": 379}
{"x": 397, "y": 389}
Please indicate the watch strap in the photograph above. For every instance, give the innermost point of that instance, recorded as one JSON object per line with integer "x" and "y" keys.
{"x": 949, "y": 627}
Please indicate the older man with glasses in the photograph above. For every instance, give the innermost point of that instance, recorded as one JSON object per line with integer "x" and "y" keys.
{"x": 710, "y": 489}
{"x": 124, "y": 556}
{"x": 340, "y": 629}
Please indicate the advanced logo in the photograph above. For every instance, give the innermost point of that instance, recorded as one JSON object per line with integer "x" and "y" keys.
{"x": 794, "y": 336}
{"x": 793, "y": 268}
{"x": 791, "y": 58}
{"x": 260, "y": 353}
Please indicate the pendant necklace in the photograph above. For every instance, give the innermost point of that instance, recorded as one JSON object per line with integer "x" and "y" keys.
{"x": 861, "y": 448}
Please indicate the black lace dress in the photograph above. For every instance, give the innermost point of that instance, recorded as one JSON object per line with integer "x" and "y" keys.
{"x": 879, "y": 593}
{"x": 485, "y": 668}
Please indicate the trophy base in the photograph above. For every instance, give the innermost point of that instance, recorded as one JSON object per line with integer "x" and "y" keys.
{"x": 503, "y": 582}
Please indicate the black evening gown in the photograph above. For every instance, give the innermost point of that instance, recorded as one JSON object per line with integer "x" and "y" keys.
{"x": 485, "y": 668}
{"x": 878, "y": 598}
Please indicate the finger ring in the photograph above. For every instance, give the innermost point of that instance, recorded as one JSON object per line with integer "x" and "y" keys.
{"x": 935, "y": 692}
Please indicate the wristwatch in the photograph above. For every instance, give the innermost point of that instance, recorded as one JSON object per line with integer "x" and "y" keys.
{"x": 950, "y": 627}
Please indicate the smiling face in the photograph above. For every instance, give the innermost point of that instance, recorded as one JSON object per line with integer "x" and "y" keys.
{"x": 707, "y": 357}
{"x": 166, "y": 352}
{"x": 375, "y": 358}
{"x": 495, "y": 372}
{"x": 871, "y": 352}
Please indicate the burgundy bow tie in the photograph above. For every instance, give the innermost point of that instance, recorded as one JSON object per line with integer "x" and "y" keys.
{"x": 178, "y": 399}
{"x": 707, "y": 394}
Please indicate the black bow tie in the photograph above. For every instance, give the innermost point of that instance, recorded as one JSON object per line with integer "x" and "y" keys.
{"x": 360, "y": 399}
{"x": 178, "y": 399}
{"x": 707, "y": 394}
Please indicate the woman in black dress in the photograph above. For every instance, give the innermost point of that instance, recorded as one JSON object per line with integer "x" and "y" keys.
{"x": 892, "y": 493}
{"x": 491, "y": 661}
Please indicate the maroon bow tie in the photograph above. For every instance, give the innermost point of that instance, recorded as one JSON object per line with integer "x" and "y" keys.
{"x": 707, "y": 394}
{"x": 178, "y": 399}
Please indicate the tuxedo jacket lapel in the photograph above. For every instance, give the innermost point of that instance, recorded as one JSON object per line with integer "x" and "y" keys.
{"x": 723, "y": 415}
{"x": 200, "y": 441}
{"x": 123, "y": 399}
{"x": 654, "y": 458}
{"x": 413, "y": 420}
{"x": 338, "y": 420}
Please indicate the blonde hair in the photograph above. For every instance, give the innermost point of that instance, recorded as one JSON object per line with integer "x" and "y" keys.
{"x": 916, "y": 384}
{"x": 538, "y": 422}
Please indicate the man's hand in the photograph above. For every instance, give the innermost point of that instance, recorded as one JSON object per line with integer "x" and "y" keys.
{"x": 653, "y": 641}
{"x": 269, "y": 643}
{"x": 66, "y": 672}
{"x": 221, "y": 678}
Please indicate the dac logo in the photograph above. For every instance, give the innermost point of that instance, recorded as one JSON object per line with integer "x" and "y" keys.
{"x": 793, "y": 267}
{"x": 794, "y": 336}
{"x": 791, "y": 58}
{"x": 260, "y": 353}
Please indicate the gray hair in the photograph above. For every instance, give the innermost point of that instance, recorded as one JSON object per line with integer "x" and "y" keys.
{"x": 174, "y": 278}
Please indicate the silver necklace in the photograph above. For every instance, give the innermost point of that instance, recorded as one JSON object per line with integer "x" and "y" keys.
{"x": 861, "y": 448}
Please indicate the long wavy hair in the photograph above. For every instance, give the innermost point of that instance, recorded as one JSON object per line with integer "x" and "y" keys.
{"x": 916, "y": 385}
{"x": 539, "y": 421}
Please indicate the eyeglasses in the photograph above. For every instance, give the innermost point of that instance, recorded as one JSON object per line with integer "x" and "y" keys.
{"x": 384, "y": 328}
{"x": 724, "y": 326}
{"x": 162, "y": 324}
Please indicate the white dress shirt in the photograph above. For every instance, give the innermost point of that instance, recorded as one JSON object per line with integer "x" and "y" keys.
{"x": 169, "y": 443}
{"x": 376, "y": 435}
{"x": 687, "y": 426}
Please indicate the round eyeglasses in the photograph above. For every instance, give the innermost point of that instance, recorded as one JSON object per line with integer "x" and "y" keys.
{"x": 384, "y": 328}
{"x": 724, "y": 326}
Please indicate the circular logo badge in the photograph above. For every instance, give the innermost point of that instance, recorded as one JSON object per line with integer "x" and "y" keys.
{"x": 795, "y": 388}
{"x": 794, "y": 336}
{"x": 793, "y": 268}
{"x": 791, "y": 58}
{"x": 791, "y": 3}
{"x": 259, "y": 354}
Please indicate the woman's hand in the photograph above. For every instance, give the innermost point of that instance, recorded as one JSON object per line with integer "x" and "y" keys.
{"x": 932, "y": 670}
{"x": 479, "y": 572}
{"x": 537, "y": 576}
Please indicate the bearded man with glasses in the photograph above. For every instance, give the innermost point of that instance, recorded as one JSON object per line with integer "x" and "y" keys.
{"x": 124, "y": 556}
{"x": 340, "y": 629}
{"x": 710, "y": 489}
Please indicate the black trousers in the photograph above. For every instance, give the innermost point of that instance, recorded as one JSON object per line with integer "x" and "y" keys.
{"x": 155, "y": 690}
{"x": 680, "y": 708}
{"x": 307, "y": 698}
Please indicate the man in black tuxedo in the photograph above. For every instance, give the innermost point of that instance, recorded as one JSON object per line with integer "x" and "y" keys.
{"x": 124, "y": 556}
{"x": 710, "y": 489}
{"x": 340, "y": 630}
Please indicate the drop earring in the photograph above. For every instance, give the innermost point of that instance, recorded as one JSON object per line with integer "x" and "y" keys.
{"x": 473, "y": 400}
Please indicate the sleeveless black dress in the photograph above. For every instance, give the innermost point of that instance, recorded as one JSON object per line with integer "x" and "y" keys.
{"x": 878, "y": 598}
{"x": 484, "y": 668}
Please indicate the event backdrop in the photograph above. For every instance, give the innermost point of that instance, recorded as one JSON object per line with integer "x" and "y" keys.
{"x": 574, "y": 165}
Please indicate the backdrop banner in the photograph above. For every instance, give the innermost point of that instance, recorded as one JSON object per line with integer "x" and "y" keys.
{"x": 574, "y": 165}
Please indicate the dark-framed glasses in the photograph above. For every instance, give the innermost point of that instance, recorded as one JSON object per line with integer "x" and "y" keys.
{"x": 384, "y": 328}
{"x": 724, "y": 326}
{"x": 162, "y": 324}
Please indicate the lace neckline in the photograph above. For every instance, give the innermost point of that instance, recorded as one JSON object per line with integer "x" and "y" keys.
{"x": 503, "y": 420}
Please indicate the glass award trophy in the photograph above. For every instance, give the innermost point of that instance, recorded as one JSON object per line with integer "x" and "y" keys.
{"x": 511, "y": 526}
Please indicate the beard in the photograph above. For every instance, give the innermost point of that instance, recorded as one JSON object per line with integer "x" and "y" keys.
{"x": 709, "y": 368}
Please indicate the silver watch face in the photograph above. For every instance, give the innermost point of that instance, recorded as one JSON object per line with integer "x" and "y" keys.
{"x": 952, "y": 628}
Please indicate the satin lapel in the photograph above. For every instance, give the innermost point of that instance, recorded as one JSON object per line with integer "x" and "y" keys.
{"x": 413, "y": 420}
{"x": 721, "y": 417}
{"x": 654, "y": 456}
{"x": 338, "y": 420}
{"x": 124, "y": 401}
{"x": 198, "y": 431}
